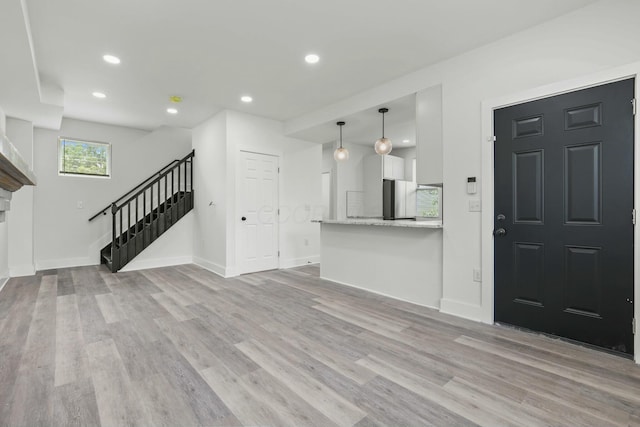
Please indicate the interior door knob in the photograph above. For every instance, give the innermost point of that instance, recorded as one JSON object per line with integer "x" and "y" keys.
{"x": 244, "y": 218}
{"x": 499, "y": 232}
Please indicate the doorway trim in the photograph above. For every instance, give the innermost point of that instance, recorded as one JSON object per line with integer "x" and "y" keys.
{"x": 488, "y": 107}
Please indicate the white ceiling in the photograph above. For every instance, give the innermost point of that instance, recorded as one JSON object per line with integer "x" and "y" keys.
{"x": 212, "y": 52}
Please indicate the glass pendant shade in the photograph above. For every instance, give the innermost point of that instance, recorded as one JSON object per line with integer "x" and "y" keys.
{"x": 383, "y": 145}
{"x": 341, "y": 153}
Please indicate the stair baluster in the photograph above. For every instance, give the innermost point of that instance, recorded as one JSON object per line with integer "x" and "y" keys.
{"x": 151, "y": 219}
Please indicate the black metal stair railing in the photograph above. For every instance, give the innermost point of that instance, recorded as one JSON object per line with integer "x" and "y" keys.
{"x": 151, "y": 209}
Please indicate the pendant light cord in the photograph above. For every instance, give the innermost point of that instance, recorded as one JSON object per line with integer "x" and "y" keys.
{"x": 340, "y": 136}
{"x": 383, "y": 125}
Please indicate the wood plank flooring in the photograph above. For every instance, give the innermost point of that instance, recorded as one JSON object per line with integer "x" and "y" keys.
{"x": 180, "y": 346}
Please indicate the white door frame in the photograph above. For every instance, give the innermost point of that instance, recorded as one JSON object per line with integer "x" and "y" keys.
{"x": 608, "y": 76}
{"x": 239, "y": 267}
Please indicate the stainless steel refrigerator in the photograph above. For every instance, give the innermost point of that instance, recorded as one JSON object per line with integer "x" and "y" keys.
{"x": 398, "y": 199}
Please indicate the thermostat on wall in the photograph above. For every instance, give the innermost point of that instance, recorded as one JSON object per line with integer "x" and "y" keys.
{"x": 472, "y": 187}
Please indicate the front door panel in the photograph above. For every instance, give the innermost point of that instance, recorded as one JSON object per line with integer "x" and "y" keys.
{"x": 563, "y": 205}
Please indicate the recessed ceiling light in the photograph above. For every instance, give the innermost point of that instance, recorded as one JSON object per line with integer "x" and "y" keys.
{"x": 99, "y": 95}
{"x": 312, "y": 58}
{"x": 111, "y": 59}
{"x": 246, "y": 98}
{"x": 406, "y": 141}
{"x": 172, "y": 111}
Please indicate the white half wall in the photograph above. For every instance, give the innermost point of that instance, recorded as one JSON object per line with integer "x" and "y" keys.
{"x": 20, "y": 216}
{"x": 63, "y": 235}
{"x": 401, "y": 262}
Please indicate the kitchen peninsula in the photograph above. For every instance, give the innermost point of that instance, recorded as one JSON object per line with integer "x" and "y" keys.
{"x": 401, "y": 259}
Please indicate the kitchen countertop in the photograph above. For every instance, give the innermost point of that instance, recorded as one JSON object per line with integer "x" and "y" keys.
{"x": 406, "y": 223}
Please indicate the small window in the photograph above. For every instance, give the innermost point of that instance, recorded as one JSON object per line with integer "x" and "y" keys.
{"x": 429, "y": 202}
{"x": 84, "y": 158}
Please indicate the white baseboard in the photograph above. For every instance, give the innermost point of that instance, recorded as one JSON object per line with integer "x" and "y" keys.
{"x": 380, "y": 293}
{"x": 156, "y": 262}
{"x": 22, "y": 270}
{"x": 461, "y": 309}
{"x": 65, "y": 263}
{"x": 298, "y": 262}
{"x": 132, "y": 266}
{"x": 221, "y": 271}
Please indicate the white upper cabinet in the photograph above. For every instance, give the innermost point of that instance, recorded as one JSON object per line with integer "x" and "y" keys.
{"x": 392, "y": 167}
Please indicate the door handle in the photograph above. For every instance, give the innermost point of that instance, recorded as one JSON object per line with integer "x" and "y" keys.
{"x": 244, "y": 218}
{"x": 499, "y": 232}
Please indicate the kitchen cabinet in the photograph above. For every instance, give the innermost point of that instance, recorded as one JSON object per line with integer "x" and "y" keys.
{"x": 392, "y": 167}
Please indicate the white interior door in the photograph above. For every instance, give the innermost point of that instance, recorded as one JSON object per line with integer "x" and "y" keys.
{"x": 258, "y": 212}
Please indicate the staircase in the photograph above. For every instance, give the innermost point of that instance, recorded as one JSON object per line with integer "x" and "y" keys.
{"x": 148, "y": 210}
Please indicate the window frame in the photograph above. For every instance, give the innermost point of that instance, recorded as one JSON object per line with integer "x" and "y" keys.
{"x": 60, "y": 159}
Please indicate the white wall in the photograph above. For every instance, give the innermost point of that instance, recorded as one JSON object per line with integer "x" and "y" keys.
{"x": 63, "y": 235}
{"x": 300, "y": 202}
{"x": 350, "y": 175}
{"x": 209, "y": 139}
{"x": 409, "y": 156}
{"x": 3, "y": 121}
{"x": 4, "y": 232}
{"x": 589, "y": 40}
{"x": 173, "y": 247}
{"x": 218, "y": 142}
{"x": 329, "y": 166}
{"x": 299, "y": 239}
{"x": 20, "y": 217}
{"x": 429, "y": 154}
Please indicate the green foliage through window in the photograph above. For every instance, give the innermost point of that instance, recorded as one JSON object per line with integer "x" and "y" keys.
{"x": 428, "y": 202}
{"x": 84, "y": 158}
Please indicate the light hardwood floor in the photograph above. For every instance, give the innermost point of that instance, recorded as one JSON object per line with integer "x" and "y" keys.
{"x": 180, "y": 346}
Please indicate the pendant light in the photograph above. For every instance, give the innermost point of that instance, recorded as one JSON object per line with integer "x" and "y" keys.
{"x": 383, "y": 145}
{"x": 341, "y": 153}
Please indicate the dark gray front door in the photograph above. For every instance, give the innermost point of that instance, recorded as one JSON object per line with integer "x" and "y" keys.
{"x": 563, "y": 204}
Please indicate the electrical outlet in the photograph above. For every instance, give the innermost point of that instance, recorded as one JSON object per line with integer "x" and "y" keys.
{"x": 477, "y": 275}
{"x": 79, "y": 204}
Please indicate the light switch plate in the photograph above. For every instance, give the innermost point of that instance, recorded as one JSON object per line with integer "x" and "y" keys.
{"x": 475, "y": 206}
